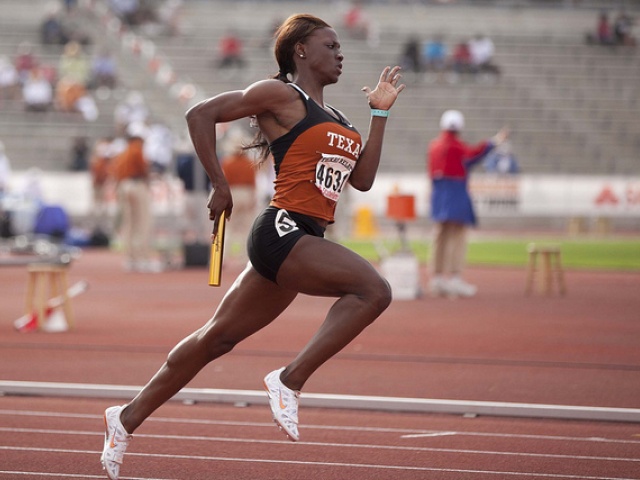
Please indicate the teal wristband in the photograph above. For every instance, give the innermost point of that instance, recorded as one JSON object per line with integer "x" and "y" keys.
{"x": 375, "y": 112}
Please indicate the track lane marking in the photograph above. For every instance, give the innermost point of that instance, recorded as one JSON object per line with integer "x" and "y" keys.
{"x": 201, "y": 438}
{"x": 70, "y": 475}
{"x": 407, "y": 433}
{"x": 323, "y": 464}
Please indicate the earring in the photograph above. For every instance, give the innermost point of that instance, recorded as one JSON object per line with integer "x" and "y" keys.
{"x": 302, "y": 56}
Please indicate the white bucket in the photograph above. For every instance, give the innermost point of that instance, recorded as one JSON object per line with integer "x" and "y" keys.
{"x": 402, "y": 271}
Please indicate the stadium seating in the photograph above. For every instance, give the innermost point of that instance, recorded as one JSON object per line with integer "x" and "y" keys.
{"x": 572, "y": 107}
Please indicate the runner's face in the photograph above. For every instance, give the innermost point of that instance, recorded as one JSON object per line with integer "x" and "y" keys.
{"x": 323, "y": 54}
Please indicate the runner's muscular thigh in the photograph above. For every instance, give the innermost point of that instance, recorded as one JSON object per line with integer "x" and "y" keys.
{"x": 251, "y": 303}
{"x": 316, "y": 266}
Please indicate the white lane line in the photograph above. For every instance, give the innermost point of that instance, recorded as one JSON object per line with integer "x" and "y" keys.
{"x": 201, "y": 438}
{"x": 406, "y": 433}
{"x": 68, "y": 475}
{"x": 531, "y": 437}
{"x": 323, "y": 464}
{"x": 429, "y": 434}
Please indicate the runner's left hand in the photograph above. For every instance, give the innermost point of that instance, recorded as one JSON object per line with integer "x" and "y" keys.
{"x": 387, "y": 90}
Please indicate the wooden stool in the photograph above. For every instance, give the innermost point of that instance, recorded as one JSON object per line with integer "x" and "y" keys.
{"x": 550, "y": 264}
{"x": 53, "y": 276}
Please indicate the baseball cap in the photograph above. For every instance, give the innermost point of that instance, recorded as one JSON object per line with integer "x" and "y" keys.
{"x": 452, "y": 120}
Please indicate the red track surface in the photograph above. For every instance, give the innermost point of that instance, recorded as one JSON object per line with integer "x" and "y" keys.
{"x": 499, "y": 346}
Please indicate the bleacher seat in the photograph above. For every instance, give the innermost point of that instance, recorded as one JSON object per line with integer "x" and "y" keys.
{"x": 572, "y": 107}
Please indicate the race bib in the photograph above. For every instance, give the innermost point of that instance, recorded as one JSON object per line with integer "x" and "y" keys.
{"x": 332, "y": 173}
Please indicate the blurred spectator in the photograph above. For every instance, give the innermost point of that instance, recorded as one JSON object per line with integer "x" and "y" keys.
{"x": 355, "y": 20}
{"x": 75, "y": 26}
{"x": 67, "y": 94}
{"x": 5, "y": 171}
{"x": 622, "y": 29}
{"x": 100, "y": 167}
{"x": 131, "y": 173}
{"x": 410, "y": 57}
{"x": 74, "y": 65}
{"x": 158, "y": 147}
{"x": 604, "y": 34}
{"x": 196, "y": 226}
{"x": 71, "y": 89}
{"x": 359, "y": 25}
{"x": 132, "y": 12}
{"x": 52, "y": 32}
{"x": 434, "y": 54}
{"x": 25, "y": 60}
{"x": 71, "y": 96}
{"x": 9, "y": 81}
{"x": 461, "y": 58}
{"x": 79, "y": 155}
{"x": 481, "y": 51}
{"x": 603, "y": 31}
{"x": 37, "y": 92}
{"x": 501, "y": 160}
{"x": 240, "y": 172}
{"x": 449, "y": 161}
{"x": 231, "y": 50}
{"x": 104, "y": 70}
{"x": 132, "y": 110}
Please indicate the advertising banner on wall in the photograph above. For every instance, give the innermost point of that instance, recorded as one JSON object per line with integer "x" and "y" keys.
{"x": 519, "y": 195}
{"x": 580, "y": 196}
{"x": 496, "y": 195}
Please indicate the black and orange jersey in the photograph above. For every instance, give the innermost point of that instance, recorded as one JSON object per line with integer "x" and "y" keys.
{"x": 313, "y": 161}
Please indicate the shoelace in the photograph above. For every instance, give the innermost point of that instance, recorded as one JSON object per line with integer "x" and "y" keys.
{"x": 290, "y": 397}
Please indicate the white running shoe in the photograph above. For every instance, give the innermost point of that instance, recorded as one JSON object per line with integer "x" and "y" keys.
{"x": 284, "y": 404}
{"x": 458, "y": 287}
{"x": 116, "y": 440}
{"x": 438, "y": 286}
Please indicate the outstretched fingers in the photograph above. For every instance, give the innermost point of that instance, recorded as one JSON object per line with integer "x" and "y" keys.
{"x": 384, "y": 75}
{"x": 388, "y": 75}
{"x": 391, "y": 75}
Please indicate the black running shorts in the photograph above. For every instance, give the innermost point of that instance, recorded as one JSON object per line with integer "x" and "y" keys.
{"x": 273, "y": 235}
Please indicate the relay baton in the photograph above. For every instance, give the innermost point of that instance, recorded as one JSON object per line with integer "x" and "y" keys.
{"x": 215, "y": 259}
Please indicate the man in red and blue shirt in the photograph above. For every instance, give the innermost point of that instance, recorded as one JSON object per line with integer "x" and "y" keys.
{"x": 449, "y": 161}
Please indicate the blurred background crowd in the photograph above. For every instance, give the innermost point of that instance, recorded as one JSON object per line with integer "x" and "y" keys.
{"x": 81, "y": 81}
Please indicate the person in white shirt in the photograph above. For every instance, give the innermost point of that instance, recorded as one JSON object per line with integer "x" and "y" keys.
{"x": 37, "y": 92}
{"x": 9, "y": 80}
{"x": 5, "y": 170}
{"x": 482, "y": 49}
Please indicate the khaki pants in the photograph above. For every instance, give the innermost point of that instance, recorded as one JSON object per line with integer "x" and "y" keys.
{"x": 449, "y": 249}
{"x": 134, "y": 200}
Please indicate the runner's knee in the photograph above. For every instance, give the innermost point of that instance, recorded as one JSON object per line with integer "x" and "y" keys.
{"x": 218, "y": 345}
{"x": 201, "y": 347}
{"x": 378, "y": 295}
